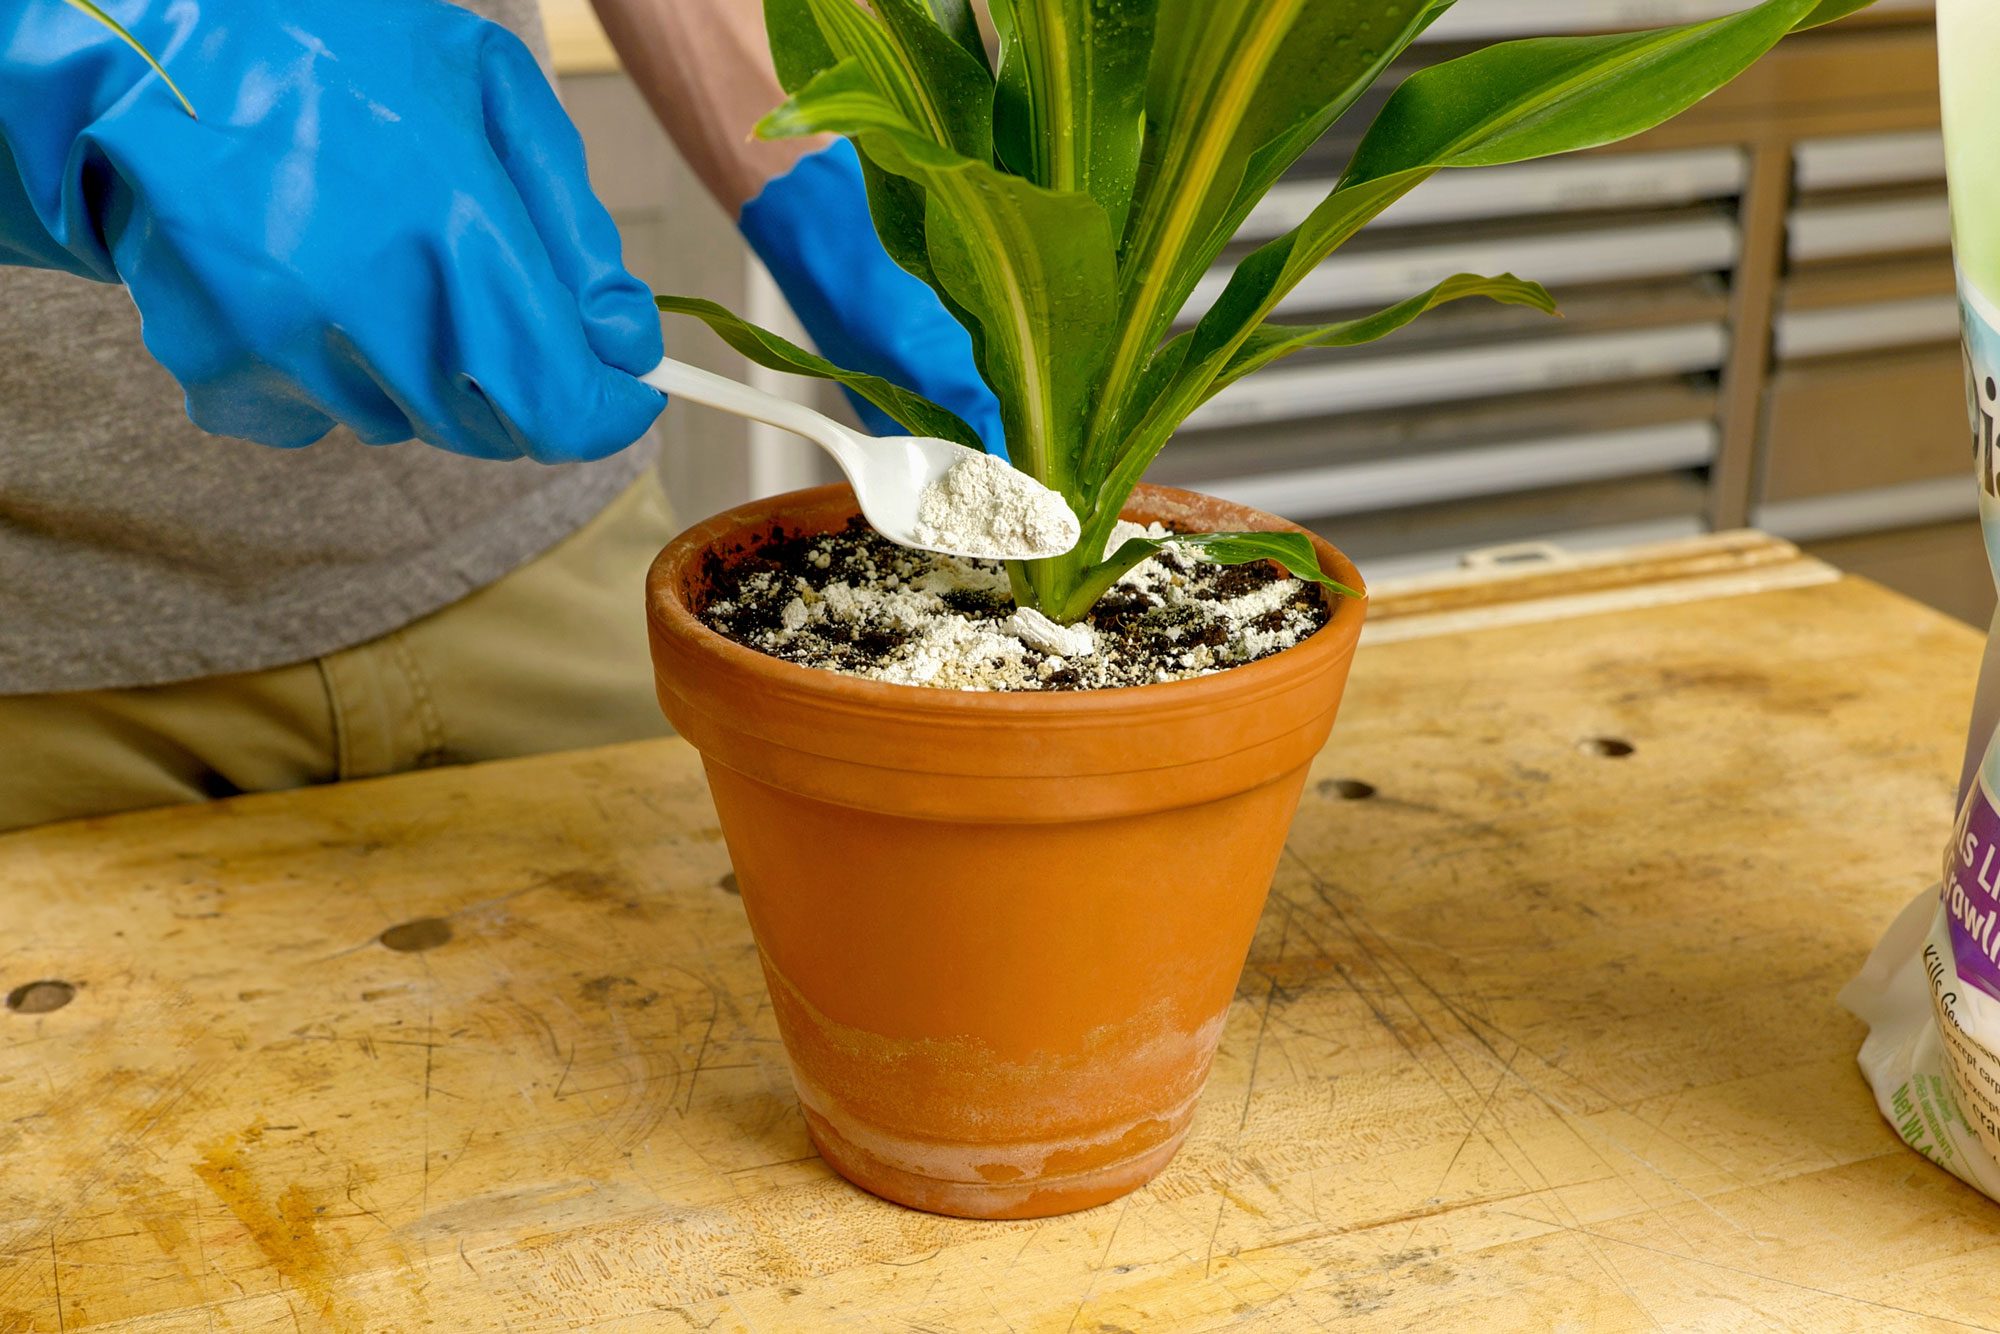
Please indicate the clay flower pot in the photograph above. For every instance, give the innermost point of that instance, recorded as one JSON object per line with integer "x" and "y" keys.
{"x": 1001, "y": 931}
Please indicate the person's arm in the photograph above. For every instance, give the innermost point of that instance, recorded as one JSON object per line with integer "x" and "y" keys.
{"x": 377, "y": 216}
{"x": 706, "y": 70}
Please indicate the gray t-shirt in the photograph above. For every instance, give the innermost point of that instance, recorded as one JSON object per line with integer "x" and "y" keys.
{"x": 137, "y": 550}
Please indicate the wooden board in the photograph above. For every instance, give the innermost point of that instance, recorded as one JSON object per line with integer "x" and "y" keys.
{"x": 1532, "y": 1037}
{"x": 1531, "y": 583}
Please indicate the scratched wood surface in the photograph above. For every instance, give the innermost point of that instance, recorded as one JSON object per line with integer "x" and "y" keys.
{"x": 1532, "y": 1037}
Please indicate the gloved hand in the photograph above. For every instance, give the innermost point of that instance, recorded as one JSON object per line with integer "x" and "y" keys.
{"x": 381, "y": 219}
{"x": 811, "y": 228}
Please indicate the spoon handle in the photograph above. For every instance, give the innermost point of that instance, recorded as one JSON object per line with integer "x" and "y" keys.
{"x": 677, "y": 379}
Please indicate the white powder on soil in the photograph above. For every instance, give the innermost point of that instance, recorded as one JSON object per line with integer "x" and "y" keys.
{"x": 986, "y": 506}
{"x": 1036, "y": 630}
{"x": 945, "y": 622}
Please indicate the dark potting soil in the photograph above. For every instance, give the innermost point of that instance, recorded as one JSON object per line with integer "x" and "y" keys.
{"x": 856, "y": 603}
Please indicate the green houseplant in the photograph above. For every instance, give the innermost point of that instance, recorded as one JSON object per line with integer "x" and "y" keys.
{"x": 1065, "y": 204}
{"x": 1003, "y": 930}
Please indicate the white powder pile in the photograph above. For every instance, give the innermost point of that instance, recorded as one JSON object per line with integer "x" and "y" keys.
{"x": 855, "y": 603}
{"x": 938, "y": 645}
{"x": 985, "y": 506}
{"x": 1037, "y": 631}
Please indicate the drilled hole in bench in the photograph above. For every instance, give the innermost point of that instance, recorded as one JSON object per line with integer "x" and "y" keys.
{"x": 1347, "y": 789}
{"x": 425, "y": 933}
{"x": 1610, "y": 747}
{"x": 40, "y": 997}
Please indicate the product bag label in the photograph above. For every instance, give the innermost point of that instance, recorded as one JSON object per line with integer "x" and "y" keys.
{"x": 1970, "y": 892}
{"x": 1961, "y": 959}
{"x": 1981, "y": 322}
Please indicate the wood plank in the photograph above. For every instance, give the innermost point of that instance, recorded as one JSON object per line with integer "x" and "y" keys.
{"x": 1528, "y": 1037}
{"x": 1767, "y": 202}
{"x": 1533, "y": 583}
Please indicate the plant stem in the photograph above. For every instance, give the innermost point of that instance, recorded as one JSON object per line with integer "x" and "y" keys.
{"x": 1090, "y": 585}
{"x": 1020, "y": 583}
{"x": 1045, "y": 577}
{"x": 1066, "y": 587}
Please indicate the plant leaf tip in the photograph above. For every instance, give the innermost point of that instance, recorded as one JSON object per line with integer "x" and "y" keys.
{"x": 118, "y": 30}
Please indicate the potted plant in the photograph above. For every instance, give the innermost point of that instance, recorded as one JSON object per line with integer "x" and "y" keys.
{"x": 1002, "y": 928}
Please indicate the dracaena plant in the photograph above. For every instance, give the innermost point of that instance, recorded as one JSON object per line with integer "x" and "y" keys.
{"x": 1065, "y": 202}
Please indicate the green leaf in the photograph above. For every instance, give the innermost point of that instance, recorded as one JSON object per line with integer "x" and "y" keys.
{"x": 959, "y": 85}
{"x": 1032, "y": 269}
{"x": 1506, "y": 103}
{"x": 1519, "y": 100}
{"x": 933, "y": 85}
{"x": 118, "y": 29}
{"x": 1072, "y": 97}
{"x": 956, "y": 17}
{"x": 1177, "y": 380}
{"x": 1236, "y": 92}
{"x": 896, "y": 206}
{"x": 1271, "y": 342}
{"x": 806, "y": 57}
{"x": 844, "y": 94}
{"x": 797, "y": 49}
{"x": 1294, "y": 551}
{"x": 917, "y": 413}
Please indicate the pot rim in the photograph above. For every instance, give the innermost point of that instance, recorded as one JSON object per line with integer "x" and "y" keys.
{"x": 670, "y": 616}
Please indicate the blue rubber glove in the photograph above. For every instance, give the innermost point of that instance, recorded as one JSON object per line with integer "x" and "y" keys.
{"x": 811, "y": 228}
{"x": 381, "y": 219}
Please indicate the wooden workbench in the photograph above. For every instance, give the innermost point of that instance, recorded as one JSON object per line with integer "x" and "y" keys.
{"x": 1536, "y": 1035}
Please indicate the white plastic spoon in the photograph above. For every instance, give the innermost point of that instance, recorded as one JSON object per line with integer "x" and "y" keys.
{"x": 889, "y": 474}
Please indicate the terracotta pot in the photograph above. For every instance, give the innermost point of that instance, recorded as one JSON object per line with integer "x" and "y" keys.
{"x": 1001, "y": 931}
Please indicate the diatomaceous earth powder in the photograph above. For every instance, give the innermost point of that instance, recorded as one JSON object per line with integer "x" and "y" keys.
{"x": 856, "y": 603}
{"x": 986, "y": 506}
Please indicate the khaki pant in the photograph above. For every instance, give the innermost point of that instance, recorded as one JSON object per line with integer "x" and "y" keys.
{"x": 551, "y": 657}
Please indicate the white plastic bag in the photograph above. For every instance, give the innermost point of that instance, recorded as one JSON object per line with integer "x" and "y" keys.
{"x": 1908, "y": 979}
{"x": 1930, "y": 993}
